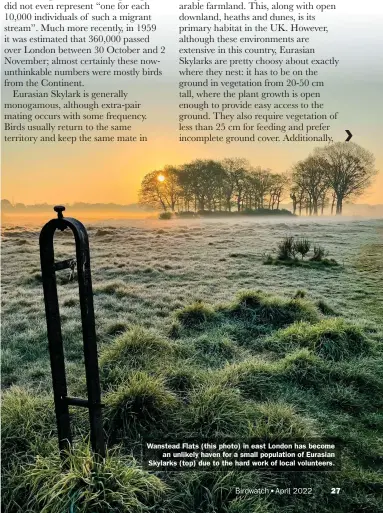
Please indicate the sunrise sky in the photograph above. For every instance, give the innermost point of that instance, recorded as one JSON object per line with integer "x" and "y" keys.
{"x": 101, "y": 172}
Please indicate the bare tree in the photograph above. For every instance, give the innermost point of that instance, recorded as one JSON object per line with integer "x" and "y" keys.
{"x": 171, "y": 186}
{"x": 213, "y": 182}
{"x": 309, "y": 175}
{"x": 294, "y": 197}
{"x": 161, "y": 189}
{"x": 342, "y": 170}
{"x": 348, "y": 169}
{"x": 237, "y": 170}
{"x": 278, "y": 185}
{"x": 191, "y": 179}
{"x": 333, "y": 199}
{"x": 263, "y": 179}
{"x": 323, "y": 201}
{"x": 151, "y": 192}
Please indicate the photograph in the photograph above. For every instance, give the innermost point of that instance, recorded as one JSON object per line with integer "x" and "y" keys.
{"x": 191, "y": 257}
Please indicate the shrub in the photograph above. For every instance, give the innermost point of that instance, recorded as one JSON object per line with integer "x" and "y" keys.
{"x": 141, "y": 404}
{"x": 364, "y": 374}
{"x": 250, "y": 299}
{"x": 286, "y": 248}
{"x": 332, "y": 339}
{"x": 27, "y": 423}
{"x": 345, "y": 397}
{"x": 256, "y": 379}
{"x": 116, "y": 485}
{"x": 214, "y": 410}
{"x": 279, "y": 421}
{"x": 271, "y": 310}
{"x": 214, "y": 492}
{"x": 319, "y": 254}
{"x": 267, "y": 259}
{"x": 175, "y": 329}
{"x": 302, "y": 247}
{"x": 304, "y": 368}
{"x": 212, "y": 346}
{"x": 183, "y": 378}
{"x": 373, "y": 420}
{"x": 136, "y": 348}
{"x": 165, "y": 216}
{"x": 195, "y": 315}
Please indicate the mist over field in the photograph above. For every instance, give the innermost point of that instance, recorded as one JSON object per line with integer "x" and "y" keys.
{"x": 92, "y": 215}
{"x": 208, "y": 340}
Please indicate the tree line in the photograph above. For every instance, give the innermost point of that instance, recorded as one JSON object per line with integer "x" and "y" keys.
{"x": 328, "y": 177}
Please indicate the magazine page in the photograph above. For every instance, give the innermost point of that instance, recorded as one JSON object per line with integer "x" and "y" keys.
{"x": 192, "y": 222}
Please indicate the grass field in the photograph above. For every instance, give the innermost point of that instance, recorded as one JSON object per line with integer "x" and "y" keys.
{"x": 198, "y": 337}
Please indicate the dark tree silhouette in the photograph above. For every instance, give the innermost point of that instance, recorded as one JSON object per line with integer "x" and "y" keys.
{"x": 310, "y": 177}
{"x": 348, "y": 169}
{"x": 340, "y": 171}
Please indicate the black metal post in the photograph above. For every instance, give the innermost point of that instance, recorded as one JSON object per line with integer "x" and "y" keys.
{"x": 56, "y": 351}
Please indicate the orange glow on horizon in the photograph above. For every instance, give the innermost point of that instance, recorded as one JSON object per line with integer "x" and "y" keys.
{"x": 99, "y": 175}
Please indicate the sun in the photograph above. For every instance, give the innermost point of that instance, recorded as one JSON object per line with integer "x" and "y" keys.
{"x": 161, "y": 178}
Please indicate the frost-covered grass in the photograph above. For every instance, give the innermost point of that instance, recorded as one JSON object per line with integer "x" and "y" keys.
{"x": 198, "y": 337}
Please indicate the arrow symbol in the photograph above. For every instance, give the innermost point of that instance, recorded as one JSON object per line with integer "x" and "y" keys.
{"x": 349, "y": 135}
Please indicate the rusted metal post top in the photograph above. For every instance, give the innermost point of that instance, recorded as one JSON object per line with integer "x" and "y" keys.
{"x": 59, "y": 209}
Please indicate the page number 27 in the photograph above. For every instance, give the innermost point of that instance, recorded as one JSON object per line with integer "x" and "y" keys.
{"x": 335, "y": 491}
